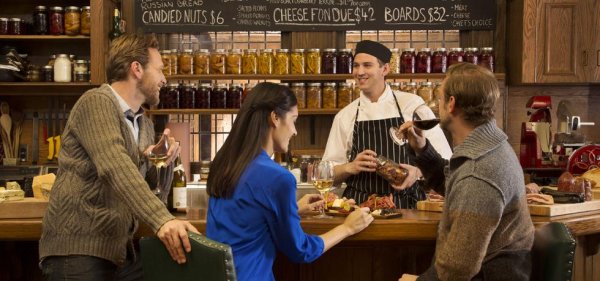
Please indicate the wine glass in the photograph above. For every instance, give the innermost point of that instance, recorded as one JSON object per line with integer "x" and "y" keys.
{"x": 322, "y": 179}
{"x": 158, "y": 157}
{"x": 427, "y": 121}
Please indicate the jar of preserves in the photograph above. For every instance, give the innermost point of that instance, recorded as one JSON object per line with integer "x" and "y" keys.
{"x": 328, "y": 61}
{"x": 281, "y": 65}
{"x": 81, "y": 66}
{"x": 313, "y": 95}
{"x": 40, "y": 20}
{"x": 471, "y": 55}
{"x": 165, "y": 55}
{"x": 390, "y": 170}
{"x": 356, "y": 92}
{"x": 265, "y": 62}
{"x": 201, "y": 61}
{"x": 62, "y": 68}
{"x": 425, "y": 91}
{"x": 234, "y": 62}
{"x": 300, "y": 92}
{"x": 187, "y": 96}
{"x": 82, "y": 76}
{"x": 410, "y": 87}
{"x": 14, "y": 26}
{"x": 72, "y": 20}
{"x": 202, "y": 97}
{"x": 297, "y": 61}
{"x": 3, "y": 26}
{"x": 217, "y": 61}
{"x": 48, "y": 73}
{"x": 486, "y": 58}
{"x": 34, "y": 74}
{"x": 329, "y": 95}
{"x": 162, "y": 96}
{"x": 407, "y": 60}
{"x": 395, "y": 86}
{"x": 455, "y": 56}
{"x": 186, "y": 62}
{"x": 344, "y": 61}
{"x": 234, "y": 95}
{"x": 439, "y": 61}
{"x": 86, "y": 20}
{"x": 171, "y": 97}
{"x": 394, "y": 61}
{"x": 218, "y": 96}
{"x": 313, "y": 61}
{"x": 249, "y": 62}
{"x": 174, "y": 61}
{"x": 423, "y": 61}
{"x": 344, "y": 94}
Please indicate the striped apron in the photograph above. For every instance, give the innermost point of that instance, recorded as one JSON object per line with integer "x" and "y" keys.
{"x": 374, "y": 135}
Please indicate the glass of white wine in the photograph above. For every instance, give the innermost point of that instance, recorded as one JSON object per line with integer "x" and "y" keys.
{"x": 322, "y": 179}
{"x": 158, "y": 157}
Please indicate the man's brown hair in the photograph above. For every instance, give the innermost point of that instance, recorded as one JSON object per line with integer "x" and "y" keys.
{"x": 126, "y": 49}
{"x": 475, "y": 90}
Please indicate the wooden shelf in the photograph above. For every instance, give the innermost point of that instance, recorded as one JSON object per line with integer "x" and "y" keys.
{"x": 311, "y": 77}
{"x": 233, "y": 111}
{"x": 44, "y": 37}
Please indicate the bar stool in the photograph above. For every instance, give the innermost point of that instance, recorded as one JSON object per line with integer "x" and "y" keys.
{"x": 553, "y": 253}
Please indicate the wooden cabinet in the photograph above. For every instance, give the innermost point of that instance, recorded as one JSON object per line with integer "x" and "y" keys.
{"x": 552, "y": 41}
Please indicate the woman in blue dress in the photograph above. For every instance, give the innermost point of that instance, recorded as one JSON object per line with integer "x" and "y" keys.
{"x": 252, "y": 204}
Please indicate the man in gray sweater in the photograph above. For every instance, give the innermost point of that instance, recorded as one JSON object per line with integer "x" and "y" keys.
{"x": 100, "y": 191}
{"x": 486, "y": 231}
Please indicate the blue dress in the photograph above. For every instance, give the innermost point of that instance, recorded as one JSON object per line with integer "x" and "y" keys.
{"x": 260, "y": 219}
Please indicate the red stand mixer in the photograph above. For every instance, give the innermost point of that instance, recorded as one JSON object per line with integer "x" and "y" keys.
{"x": 536, "y": 137}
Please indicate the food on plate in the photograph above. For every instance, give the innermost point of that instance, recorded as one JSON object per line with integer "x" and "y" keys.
{"x": 339, "y": 204}
{"x": 538, "y": 198}
{"x": 532, "y": 188}
{"x": 593, "y": 176}
{"x": 375, "y": 203}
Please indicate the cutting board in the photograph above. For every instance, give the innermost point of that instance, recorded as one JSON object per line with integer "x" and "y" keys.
{"x": 563, "y": 209}
{"x": 430, "y": 206}
{"x": 23, "y": 209}
{"x": 596, "y": 194}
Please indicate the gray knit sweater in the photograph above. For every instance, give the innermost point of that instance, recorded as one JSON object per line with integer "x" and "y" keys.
{"x": 100, "y": 190}
{"x": 486, "y": 231}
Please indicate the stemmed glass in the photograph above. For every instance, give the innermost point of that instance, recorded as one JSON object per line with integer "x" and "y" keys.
{"x": 428, "y": 121}
{"x": 158, "y": 157}
{"x": 322, "y": 179}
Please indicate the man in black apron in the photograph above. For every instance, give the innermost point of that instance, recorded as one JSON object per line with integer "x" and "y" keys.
{"x": 371, "y": 137}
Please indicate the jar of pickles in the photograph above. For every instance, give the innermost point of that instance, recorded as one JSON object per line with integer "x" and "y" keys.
{"x": 344, "y": 61}
{"x": 394, "y": 61}
{"x": 202, "y": 96}
{"x": 56, "y": 21}
{"x": 249, "y": 62}
{"x": 328, "y": 61}
{"x": 425, "y": 91}
{"x": 40, "y": 20}
{"x": 217, "y": 61}
{"x": 344, "y": 95}
{"x": 313, "y": 95}
{"x": 407, "y": 60}
{"x": 265, "y": 62}
{"x": 72, "y": 20}
{"x": 423, "y": 61}
{"x": 329, "y": 95}
{"x": 313, "y": 61}
{"x": 165, "y": 55}
{"x": 218, "y": 96}
{"x": 233, "y": 62}
{"x": 3, "y": 26}
{"x": 174, "y": 61}
{"x": 486, "y": 58}
{"x": 86, "y": 20}
{"x": 455, "y": 56}
{"x": 187, "y": 96}
{"x": 281, "y": 65}
{"x": 201, "y": 62}
{"x": 186, "y": 62}
{"x": 471, "y": 55}
{"x": 297, "y": 61}
{"x": 300, "y": 92}
{"x": 439, "y": 61}
{"x": 410, "y": 87}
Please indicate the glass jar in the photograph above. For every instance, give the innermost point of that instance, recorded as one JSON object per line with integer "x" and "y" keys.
{"x": 328, "y": 61}
{"x": 48, "y": 73}
{"x": 313, "y": 61}
{"x": 344, "y": 95}
{"x": 72, "y": 20}
{"x": 313, "y": 95}
{"x": 455, "y": 56}
{"x": 486, "y": 58}
{"x": 305, "y": 163}
{"x": 265, "y": 62}
{"x": 3, "y": 26}
{"x": 249, "y": 62}
{"x": 34, "y": 74}
{"x": 202, "y": 97}
{"x": 407, "y": 60}
{"x": 234, "y": 95}
{"x": 471, "y": 55}
{"x": 187, "y": 96}
{"x": 165, "y": 55}
{"x": 62, "y": 68}
{"x": 40, "y": 20}
{"x": 281, "y": 65}
{"x": 329, "y": 95}
{"x": 14, "y": 26}
{"x": 300, "y": 92}
{"x": 390, "y": 170}
{"x": 170, "y": 99}
{"x": 356, "y": 92}
{"x": 234, "y": 62}
{"x": 394, "y": 61}
{"x": 86, "y": 20}
{"x": 56, "y": 26}
{"x": 204, "y": 170}
{"x": 186, "y": 62}
{"x": 410, "y": 87}
{"x": 423, "y": 61}
{"x": 437, "y": 95}
{"x": 201, "y": 61}
{"x": 218, "y": 96}
{"x": 174, "y": 61}
{"x": 439, "y": 61}
{"x": 425, "y": 91}
{"x": 395, "y": 86}
{"x": 344, "y": 61}
{"x": 162, "y": 96}
{"x": 81, "y": 66}
{"x": 297, "y": 61}
{"x": 217, "y": 61}
{"x": 82, "y": 76}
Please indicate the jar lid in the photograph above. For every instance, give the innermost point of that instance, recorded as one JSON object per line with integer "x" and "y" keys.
{"x": 458, "y": 49}
{"x": 395, "y": 84}
{"x": 330, "y": 50}
{"x": 284, "y": 84}
{"x": 166, "y": 52}
{"x": 314, "y": 84}
{"x": 305, "y": 156}
{"x": 267, "y": 50}
{"x": 220, "y": 51}
{"x": 207, "y": 85}
{"x": 3, "y": 19}
{"x": 56, "y": 8}
{"x": 282, "y": 50}
{"x": 72, "y": 8}
{"x": 298, "y": 51}
{"x": 205, "y": 162}
{"x": 188, "y": 51}
{"x": 394, "y": 50}
{"x": 48, "y": 67}
{"x": 314, "y": 50}
{"x": 489, "y": 49}
{"x": 62, "y": 56}
{"x": 15, "y": 19}
{"x": 80, "y": 61}
{"x": 173, "y": 85}
{"x": 471, "y": 49}
{"x": 346, "y": 50}
{"x": 250, "y": 50}
{"x": 80, "y": 72}
{"x": 440, "y": 49}
{"x": 329, "y": 84}
{"x": 188, "y": 85}
{"x": 174, "y": 50}
{"x": 40, "y": 8}
{"x": 412, "y": 50}
{"x": 426, "y": 50}
{"x": 203, "y": 50}
{"x": 221, "y": 86}
{"x": 425, "y": 83}
{"x": 412, "y": 83}
{"x": 72, "y": 57}
{"x": 344, "y": 84}
{"x": 298, "y": 84}
{"x": 86, "y": 8}
{"x": 235, "y": 51}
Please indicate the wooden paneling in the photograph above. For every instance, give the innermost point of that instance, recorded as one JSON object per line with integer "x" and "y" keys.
{"x": 101, "y": 23}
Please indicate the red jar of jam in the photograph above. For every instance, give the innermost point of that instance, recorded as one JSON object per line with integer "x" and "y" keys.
{"x": 455, "y": 56}
{"x": 234, "y": 96}
{"x": 218, "y": 96}
{"x": 471, "y": 55}
{"x": 202, "y": 97}
{"x": 169, "y": 96}
{"x": 439, "y": 61}
{"x": 423, "y": 61}
{"x": 328, "y": 61}
{"x": 344, "y": 61}
{"x": 407, "y": 61}
{"x": 186, "y": 96}
{"x": 57, "y": 24}
{"x": 14, "y": 26}
{"x": 486, "y": 58}
{"x": 3, "y": 26}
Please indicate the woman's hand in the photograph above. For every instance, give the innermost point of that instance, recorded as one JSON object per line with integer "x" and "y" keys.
{"x": 309, "y": 202}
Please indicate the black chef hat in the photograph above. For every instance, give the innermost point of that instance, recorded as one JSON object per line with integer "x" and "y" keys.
{"x": 375, "y": 49}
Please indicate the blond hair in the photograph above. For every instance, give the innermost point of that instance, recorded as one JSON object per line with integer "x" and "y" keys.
{"x": 126, "y": 49}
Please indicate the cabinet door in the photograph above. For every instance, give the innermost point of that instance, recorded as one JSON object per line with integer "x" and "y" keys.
{"x": 593, "y": 45}
{"x": 559, "y": 41}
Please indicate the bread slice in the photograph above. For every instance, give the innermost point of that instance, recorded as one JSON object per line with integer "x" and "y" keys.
{"x": 593, "y": 176}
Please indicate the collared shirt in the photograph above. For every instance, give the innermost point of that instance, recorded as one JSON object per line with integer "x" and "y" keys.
{"x": 130, "y": 116}
{"x": 340, "y": 136}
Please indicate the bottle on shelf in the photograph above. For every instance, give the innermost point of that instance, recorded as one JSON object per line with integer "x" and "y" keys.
{"x": 178, "y": 195}
{"x": 116, "y": 27}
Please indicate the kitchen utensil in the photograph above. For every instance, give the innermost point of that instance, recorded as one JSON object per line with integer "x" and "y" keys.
{"x": 6, "y": 124}
{"x": 17, "y": 118}
{"x": 35, "y": 140}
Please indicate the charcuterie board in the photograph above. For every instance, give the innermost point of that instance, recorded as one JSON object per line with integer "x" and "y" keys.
{"x": 563, "y": 209}
{"x": 596, "y": 193}
{"x": 23, "y": 209}
{"x": 432, "y": 206}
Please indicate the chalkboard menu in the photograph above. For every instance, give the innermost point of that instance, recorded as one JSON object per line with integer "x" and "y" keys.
{"x": 193, "y": 16}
